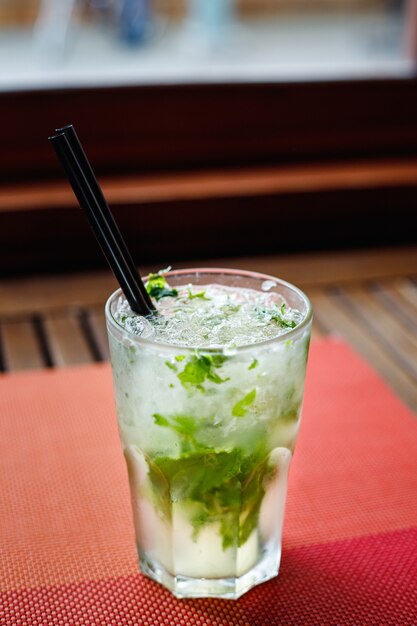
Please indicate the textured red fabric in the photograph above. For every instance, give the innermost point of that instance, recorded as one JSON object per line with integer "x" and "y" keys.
{"x": 367, "y": 581}
{"x": 67, "y": 545}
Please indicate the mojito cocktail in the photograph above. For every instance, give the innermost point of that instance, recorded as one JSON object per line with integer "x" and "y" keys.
{"x": 208, "y": 397}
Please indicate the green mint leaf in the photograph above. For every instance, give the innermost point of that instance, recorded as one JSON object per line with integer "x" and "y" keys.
{"x": 199, "y": 294}
{"x": 180, "y": 357}
{"x": 215, "y": 378}
{"x": 226, "y": 487}
{"x": 253, "y": 491}
{"x": 199, "y": 368}
{"x": 254, "y": 364}
{"x": 283, "y": 323}
{"x": 197, "y": 476}
{"x": 185, "y": 425}
{"x": 171, "y": 366}
{"x": 241, "y": 408}
{"x": 218, "y": 359}
{"x": 275, "y": 315}
{"x": 158, "y": 293}
{"x": 156, "y": 280}
{"x": 160, "y": 490}
{"x": 157, "y": 287}
{"x": 160, "y": 420}
{"x": 194, "y": 372}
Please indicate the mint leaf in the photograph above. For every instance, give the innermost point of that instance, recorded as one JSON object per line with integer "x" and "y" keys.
{"x": 254, "y": 364}
{"x": 194, "y": 372}
{"x": 283, "y": 323}
{"x": 218, "y": 359}
{"x": 226, "y": 487}
{"x": 185, "y": 425}
{"x": 158, "y": 293}
{"x": 215, "y": 378}
{"x": 157, "y": 286}
{"x": 180, "y": 357}
{"x": 275, "y": 315}
{"x": 160, "y": 420}
{"x": 156, "y": 281}
{"x": 253, "y": 491}
{"x": 160, "y": 490}
{"x": 171, "y": 366}
{"x": 199, "y": 294}
{"x": 182, "y": 424}
{"x": 241, "y": 408}
{"x": 199, "y": 368}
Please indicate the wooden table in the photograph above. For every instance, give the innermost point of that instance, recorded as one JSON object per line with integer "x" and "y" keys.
{"x": 367, "y": 297}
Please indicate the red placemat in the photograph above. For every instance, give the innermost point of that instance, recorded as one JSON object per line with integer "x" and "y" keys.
{"x": 67, "y": 545}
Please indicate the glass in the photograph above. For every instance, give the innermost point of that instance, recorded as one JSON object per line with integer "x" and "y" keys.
{"x": 208, "y": 462}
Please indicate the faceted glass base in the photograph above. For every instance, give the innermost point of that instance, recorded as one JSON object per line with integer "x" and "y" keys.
{"x": 227, "y": 588}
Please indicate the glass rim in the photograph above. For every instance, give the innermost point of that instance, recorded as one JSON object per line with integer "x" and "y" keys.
{"x": 289, "y": 334}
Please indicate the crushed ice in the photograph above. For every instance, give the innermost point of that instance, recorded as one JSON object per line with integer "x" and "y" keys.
{"x": 225, "y": 318}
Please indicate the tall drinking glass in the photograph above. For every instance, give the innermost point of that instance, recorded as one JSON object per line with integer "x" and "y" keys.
{"x": 208, "y": 436}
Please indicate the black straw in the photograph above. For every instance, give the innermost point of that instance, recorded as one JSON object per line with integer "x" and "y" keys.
{"x": 87, "y": 190}
{"x": 71, "y": 135}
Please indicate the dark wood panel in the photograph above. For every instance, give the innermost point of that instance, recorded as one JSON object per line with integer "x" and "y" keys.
{"x": 237, "y": 182}
{"x": 50, "y": 240}
{"x": 173, "y": 127}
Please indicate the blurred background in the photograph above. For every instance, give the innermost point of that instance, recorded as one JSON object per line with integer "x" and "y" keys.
{"x": 217, "y": 127}
{"x": 46, "y": 43}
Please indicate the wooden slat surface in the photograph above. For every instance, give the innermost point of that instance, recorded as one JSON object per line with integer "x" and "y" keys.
{"x": 40, "y": 294}
{"x": 67, "y": 342}
{"x": 407, "y": 291}
{"x": 400, "y": 296}
{"x": 369, "y": 298}
{"x": 21, "y": 346}
{"x": 386, "y": 324}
